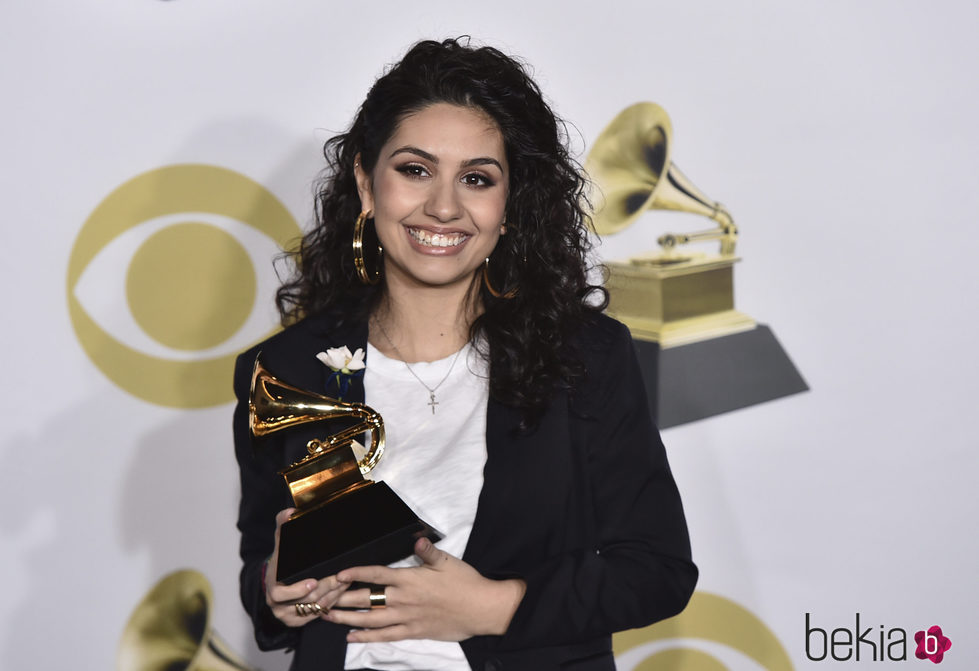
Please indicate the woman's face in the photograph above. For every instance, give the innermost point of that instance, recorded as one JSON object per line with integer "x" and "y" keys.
{"x": 438, "y": 196}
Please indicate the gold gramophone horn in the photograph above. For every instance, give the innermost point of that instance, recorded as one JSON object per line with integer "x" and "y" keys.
{"x": 666, "y": 298}
{"x": 630, "y": 162}
{"x": 171, "y": 629}
{"x": 275, "y": 405}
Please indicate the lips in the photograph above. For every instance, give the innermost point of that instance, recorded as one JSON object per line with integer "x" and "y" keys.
{"x": 429, "y": 239}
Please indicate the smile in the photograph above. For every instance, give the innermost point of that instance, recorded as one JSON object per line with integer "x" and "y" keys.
{"x": 427, "y": 239}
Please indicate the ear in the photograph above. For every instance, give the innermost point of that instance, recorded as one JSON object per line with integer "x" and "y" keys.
{"x": 364, "y": 187}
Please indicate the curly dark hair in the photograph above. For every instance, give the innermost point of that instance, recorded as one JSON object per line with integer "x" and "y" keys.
{"x": 543, "y": 256}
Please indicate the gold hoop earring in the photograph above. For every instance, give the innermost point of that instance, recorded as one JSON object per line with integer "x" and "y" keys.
{"x": 359, "y": 262}
{"x": 489, "y": 287}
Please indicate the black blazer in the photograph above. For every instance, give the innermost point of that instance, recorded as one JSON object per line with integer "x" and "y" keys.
{"x": 584, "y": 509}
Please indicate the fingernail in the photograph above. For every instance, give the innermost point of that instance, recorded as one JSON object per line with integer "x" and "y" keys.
{"x": 310, "y": 585}
{"x": 426, "y": 544}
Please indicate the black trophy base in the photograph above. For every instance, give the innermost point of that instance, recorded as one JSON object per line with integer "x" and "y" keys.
{"x": 710, "y": 377}
{"x": 367, "y": 526}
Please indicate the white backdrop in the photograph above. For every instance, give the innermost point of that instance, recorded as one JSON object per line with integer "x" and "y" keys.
{"x": 841, "y": 136}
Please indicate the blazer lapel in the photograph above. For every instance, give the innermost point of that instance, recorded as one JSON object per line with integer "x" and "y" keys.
{"x": 501, "y": 421}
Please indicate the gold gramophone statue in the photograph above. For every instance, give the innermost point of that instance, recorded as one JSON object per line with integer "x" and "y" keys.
{"x": 674, "y": 296}
{"x": 699, "y": 356}
{"x": 341, "y": 518}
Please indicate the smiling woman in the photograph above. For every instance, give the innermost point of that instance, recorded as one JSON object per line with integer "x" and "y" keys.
{"x": 438, "y": 195}
{"x": 450, "y": 246}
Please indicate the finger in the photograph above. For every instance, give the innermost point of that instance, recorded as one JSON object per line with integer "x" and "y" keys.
{"x": 378, "y": 575}
{"x": 355, "y": 598}
{"x": 360, "y": 599}
{"x": 281, "y": 517}
{"x": 396, "y": 632}
{"x": 302, "y": 610}
{"x": 299, "y": 591}
{"x": 327, "y": 591}
{"x": 365, "y": 619}
{"x": 294, "y": 616}
{"x": 428, "y": 553}
{"x": 273, "y": 560}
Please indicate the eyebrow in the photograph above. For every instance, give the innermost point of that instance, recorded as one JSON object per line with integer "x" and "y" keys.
{"x": 482, "y": 160}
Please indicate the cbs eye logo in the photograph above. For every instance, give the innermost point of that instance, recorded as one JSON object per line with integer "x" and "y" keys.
{"x": 164, "y": 277}
{"x": 713, "y": 633}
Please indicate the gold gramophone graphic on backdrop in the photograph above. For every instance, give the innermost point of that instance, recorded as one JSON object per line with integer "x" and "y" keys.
{"x": 341, "y": 518}
{"x": 674, "y": 296}
{"x": 698, "y": 355}
{"x": 171, "y": 629}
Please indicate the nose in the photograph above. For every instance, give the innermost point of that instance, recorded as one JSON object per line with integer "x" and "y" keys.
{"x": 443, "y": 201}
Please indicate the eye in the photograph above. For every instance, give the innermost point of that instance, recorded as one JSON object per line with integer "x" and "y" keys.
{"x": 477, "y": 179}
{"x": 701, "y": 638}
{"x": 415, "y": 170}
{"x": 170, "y": 276}
{"x": 183, "y": 286}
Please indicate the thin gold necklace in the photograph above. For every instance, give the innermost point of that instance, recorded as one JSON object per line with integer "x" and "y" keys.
{"x": 431, "y": 390}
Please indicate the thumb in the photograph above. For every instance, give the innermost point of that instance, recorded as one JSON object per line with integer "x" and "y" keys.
{"x": 280, "y": 519}
{"x": 427, "y": 552}
{"x": 282, "y": 516}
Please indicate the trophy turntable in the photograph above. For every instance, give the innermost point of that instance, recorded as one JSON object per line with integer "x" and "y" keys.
{"x": 341, "y": 518}
{"x": 700, "y": 357}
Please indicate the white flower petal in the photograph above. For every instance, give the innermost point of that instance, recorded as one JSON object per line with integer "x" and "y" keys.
{"x": 356, "y": 362}
{"x": 334, "y": 357}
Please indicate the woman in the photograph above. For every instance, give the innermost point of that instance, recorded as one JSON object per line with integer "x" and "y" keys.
{"x": 517, "y": 421}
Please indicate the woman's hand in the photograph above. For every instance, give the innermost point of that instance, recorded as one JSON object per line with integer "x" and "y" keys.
{"x": 444, "y": 599}
{"x": 282, "y": 598}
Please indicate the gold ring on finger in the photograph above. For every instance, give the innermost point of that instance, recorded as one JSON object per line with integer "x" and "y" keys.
{"x": 377, "y": 597}
{"x": 305, "y": 609}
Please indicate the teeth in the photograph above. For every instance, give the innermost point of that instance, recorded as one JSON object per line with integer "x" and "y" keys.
{"x": 436, "y": 239}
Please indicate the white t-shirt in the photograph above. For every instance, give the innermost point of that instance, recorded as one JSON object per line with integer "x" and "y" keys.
{"x": 434, "y": 462}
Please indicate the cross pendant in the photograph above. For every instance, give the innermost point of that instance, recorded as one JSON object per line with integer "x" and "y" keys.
{"x": 432, "y": 402}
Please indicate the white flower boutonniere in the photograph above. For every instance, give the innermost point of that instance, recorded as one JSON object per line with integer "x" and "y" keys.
{"x": 340, "y": 359}
{"x": 345, "y": 366}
